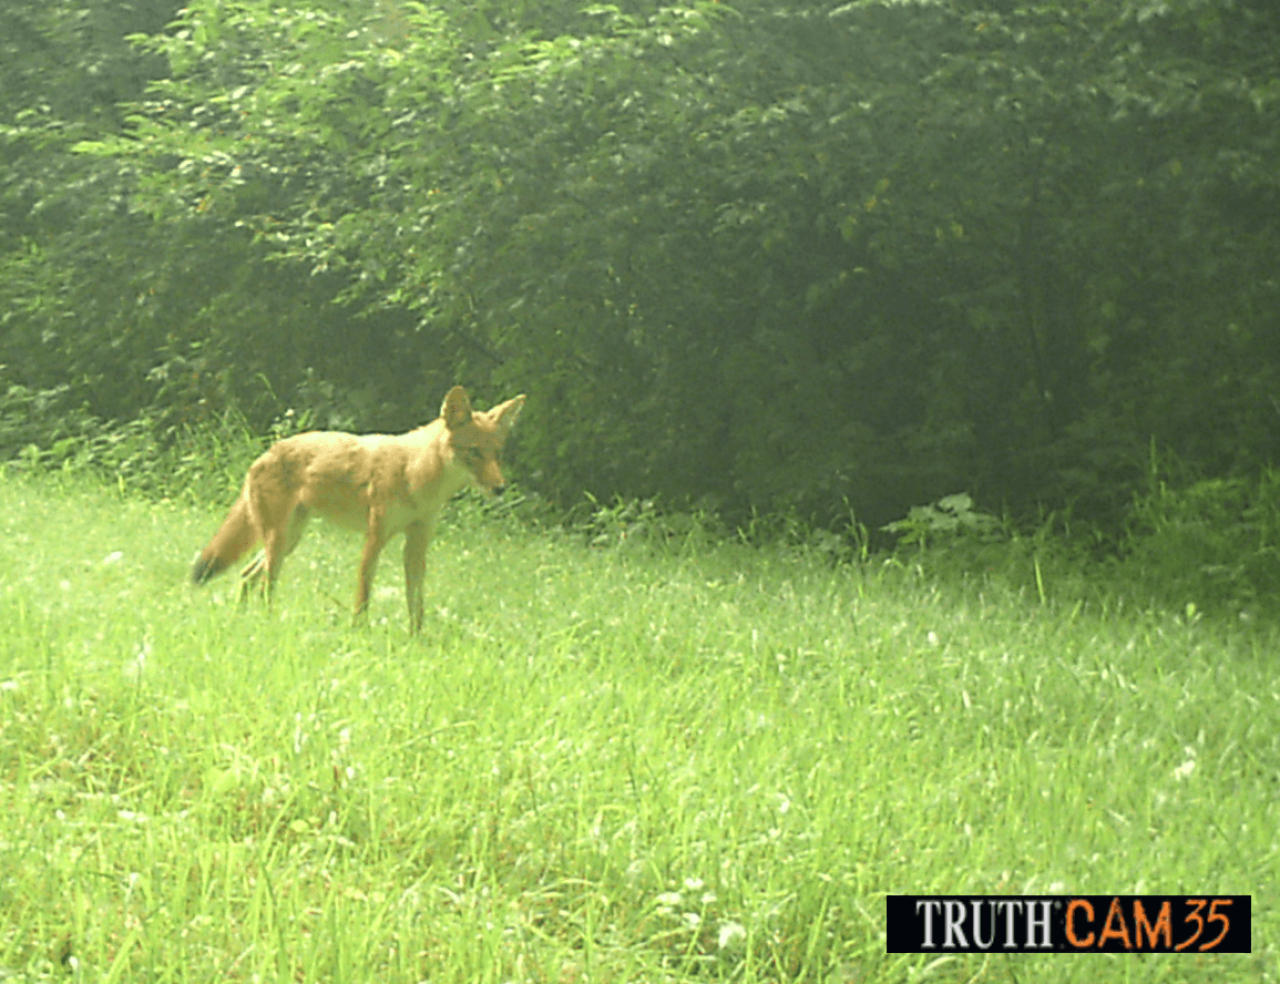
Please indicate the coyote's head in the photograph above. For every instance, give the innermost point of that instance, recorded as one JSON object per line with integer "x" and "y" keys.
{"x": 477, "y": 437}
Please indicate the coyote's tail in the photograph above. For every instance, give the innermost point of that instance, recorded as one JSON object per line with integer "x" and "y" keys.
{"x": 233, "y": 539}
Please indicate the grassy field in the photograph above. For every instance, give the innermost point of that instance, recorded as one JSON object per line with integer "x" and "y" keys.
{"x": 694, "y": 762}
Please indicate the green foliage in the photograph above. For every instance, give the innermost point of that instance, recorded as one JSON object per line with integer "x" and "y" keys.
{"x": 750, "y": 259}
{"x": 639, "y": 524}
{"x": 39, "y": 422}
{"x": 42, "y": 433}
{"x": 952, "y": 517}
{"x": 1193, "y": 546}
{"x": 1211, "y": 545}
{"x": 953, "y": 542}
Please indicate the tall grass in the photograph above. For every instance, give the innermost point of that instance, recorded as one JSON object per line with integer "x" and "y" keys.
{"x": 635, "y": 762}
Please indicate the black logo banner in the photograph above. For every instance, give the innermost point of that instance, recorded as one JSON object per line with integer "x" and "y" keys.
{"x": 1068, "y": 923}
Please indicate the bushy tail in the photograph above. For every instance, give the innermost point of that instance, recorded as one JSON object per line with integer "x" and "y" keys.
{"x": 236, "y": 536}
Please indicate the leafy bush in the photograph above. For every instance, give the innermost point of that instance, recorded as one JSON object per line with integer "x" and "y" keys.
{"x": 952, "y": 541}
{"x": 634, "y": 522}
{"x": 35, "y": 419}
{"x": 952, "y": 518}
{"x": 1212, "y": 544}
{"x": 41, "y": 431}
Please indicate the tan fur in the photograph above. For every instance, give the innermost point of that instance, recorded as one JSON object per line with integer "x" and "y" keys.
{"x": 378, "y": 484}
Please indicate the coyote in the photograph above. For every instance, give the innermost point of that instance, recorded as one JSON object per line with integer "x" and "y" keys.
{"x": 377, "y": 483}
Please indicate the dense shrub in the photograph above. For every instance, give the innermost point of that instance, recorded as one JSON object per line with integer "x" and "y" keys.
{"x": 1211, "y": 544}
{"x": 41, "y": 431}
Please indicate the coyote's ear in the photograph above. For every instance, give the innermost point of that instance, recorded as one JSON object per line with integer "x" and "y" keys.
{"x": 456, "y": 409}
{"x": 506, "y": 414}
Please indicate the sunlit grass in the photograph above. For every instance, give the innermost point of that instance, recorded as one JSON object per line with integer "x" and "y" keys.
{"x": 633, "y": 763}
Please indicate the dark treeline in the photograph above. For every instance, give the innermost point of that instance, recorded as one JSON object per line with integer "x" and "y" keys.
{"x": 754, "y": 256}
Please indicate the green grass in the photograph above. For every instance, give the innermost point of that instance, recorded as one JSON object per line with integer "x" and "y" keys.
{"x": 693, "y": 763}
